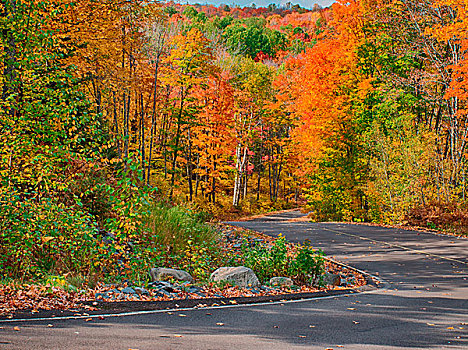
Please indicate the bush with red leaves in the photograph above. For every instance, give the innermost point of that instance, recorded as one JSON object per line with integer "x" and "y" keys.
{"x": 452, "y": 217}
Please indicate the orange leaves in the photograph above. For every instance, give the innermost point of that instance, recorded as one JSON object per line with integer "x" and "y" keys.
{"x": 212, "y": 136}
{"x": 323, "y": 83}
{"x": 454, "y": 33}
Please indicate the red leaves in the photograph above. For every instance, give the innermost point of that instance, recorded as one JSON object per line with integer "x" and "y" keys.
{"x": 36, "y": 297}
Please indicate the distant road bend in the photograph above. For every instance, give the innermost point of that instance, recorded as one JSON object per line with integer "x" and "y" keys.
{"x": 425, "y": 305}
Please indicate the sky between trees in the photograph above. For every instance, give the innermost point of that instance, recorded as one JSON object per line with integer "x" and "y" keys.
{"x": 304, "y": 3}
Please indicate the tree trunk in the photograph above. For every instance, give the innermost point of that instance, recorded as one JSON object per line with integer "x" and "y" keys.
{"x": 116, "y": 127}
{"x": 153, "y": 119}
{"x": 189, "y": 167}
{"x": 142, "y": 128}
{"x": 241, "y": 157}
{"x": 9, "y": 62}
{"x": 177, "y": 141}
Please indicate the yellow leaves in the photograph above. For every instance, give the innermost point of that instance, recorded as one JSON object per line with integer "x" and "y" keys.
{"x": 47, "y": 239}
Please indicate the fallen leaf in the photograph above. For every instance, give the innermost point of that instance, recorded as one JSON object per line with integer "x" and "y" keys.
{"x": 351, "y": 308}
{"x": 182, "y": 315}
{"x": 450, "y": 328}
{"x": 311, "y": 326}
{"x": 430, "y": 324}
{"x": 50, "y": 325}
{"x": 46, "y": 239}
{"x": 16, "y": 328}
{"x": 177, "y": 335}
{"x": 101, "y": 317}
{"x": 220, "y": 324}
{"x": 88, "y": 319}
{"x": 302, "y": 336}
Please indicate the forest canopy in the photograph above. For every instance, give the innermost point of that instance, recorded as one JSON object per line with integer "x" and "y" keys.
{"x": 356, "y": 111}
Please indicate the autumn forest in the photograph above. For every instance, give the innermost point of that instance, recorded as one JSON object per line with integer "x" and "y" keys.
{"x": 120, "y": 116}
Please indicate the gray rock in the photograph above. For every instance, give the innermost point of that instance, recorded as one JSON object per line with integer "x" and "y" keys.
{"x": 128, "y": 290}
{"x": 193, "y": 289}
{"x": 281, "y": 281}
{"x": 141, "y": 290}
{"x": 331, "y": 279}
{"x": 241, "y": 276}
{"x": 169, "y": 294}
{"x": 101, "y": 296}
{"x": 161, "y": 273}
{"x": 254, "y": 290}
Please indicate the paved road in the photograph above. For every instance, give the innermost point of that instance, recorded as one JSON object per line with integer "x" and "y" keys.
{"x": 424, "y": 307}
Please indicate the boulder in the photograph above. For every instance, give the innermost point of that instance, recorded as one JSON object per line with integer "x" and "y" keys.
{"x": 141, "y": 291}
{"x": 331, "y": 279}
{"x": 128, "y": 290}
{"x": 162, "y": 273}
{"x": 241, "y": 276}
{"x": 281, "y": 281}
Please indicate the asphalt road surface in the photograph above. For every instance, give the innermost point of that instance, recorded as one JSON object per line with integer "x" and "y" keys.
{"x": 424, "y": 304}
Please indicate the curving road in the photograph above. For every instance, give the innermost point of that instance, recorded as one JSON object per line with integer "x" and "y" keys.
{"x": 424, "y": 304}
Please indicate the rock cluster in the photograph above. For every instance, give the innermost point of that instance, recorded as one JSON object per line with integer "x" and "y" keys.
{"x": 180, "y": 281}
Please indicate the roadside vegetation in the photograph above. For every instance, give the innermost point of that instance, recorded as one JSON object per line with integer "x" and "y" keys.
{"x": 126, "y": 127}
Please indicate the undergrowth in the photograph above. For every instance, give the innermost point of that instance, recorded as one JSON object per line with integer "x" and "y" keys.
{"x": 302, "y": 262}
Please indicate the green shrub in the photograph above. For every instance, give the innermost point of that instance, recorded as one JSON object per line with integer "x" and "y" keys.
{"x": 275, "y": 260}
{"x": 308, "y": 263}
{"x": 267, "y": 261}
{"x": 42, "y": 236}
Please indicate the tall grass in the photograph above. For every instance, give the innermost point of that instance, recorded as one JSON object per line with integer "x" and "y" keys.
{"x": 177, "y": 228}
{"x": 178, "y": 237}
